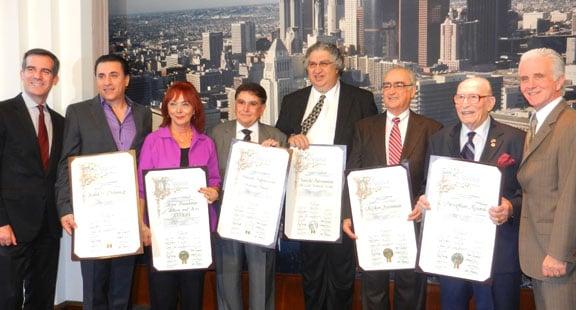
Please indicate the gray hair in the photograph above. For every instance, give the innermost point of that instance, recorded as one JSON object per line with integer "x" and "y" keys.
{"x": 555, "y": 58}
{"x": 410, "y": 73}
{"x": 334, "y": 52}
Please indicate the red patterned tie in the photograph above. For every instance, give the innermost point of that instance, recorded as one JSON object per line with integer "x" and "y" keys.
{"x": 395, "y": 144}
{"x": 43, "y": 137}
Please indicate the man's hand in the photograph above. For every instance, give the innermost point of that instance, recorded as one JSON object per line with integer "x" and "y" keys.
{"x": 145, "y": 234}
{"x": 210, "y": 193}
{"x": 7, "y": 237}
{"x": 300, "y": 141}
{"x": 415, "y": 215}
{"x": 552, "y": 267}
{"x": 68, "y": 223}
{"x": 501, "y": 213}
{"x": 270, "y": 142}
{"x": 347, "y": 229}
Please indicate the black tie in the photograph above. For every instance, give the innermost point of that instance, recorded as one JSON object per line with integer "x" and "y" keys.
{"x": 247, "y": 133}
{"x": 468, "y": 150}
{"x": 311, "y": 119}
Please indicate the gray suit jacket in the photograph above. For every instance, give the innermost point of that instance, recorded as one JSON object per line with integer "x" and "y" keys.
{"x": 223, "y": 134}
{"x": 548, "y": 178}
{"x": 86, "y": 132}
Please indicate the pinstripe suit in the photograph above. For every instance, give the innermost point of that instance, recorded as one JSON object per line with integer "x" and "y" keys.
{"x": 548, "y": 222}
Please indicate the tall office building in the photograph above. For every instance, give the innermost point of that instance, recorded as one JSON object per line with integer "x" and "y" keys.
{"x": 458, "y": 43}
{"x": 373, "y": 31}
{"x": 571, "y": 51}
{"x": 492, "y": 18}
{"x": 243, "y": 38}
{"x": 408, "y": 30}
{"x": 350, "y": 23}
{"x": 318, "y": 18}
{"x": 212, "y": 45}
{"x": 431, "y": 14}
{"x": 291, "y": 24}
{"x": 332, "y": 18}
{"x": 277, "y": 80}
{"x": 307, "y": 17}
{"x": 390, "y": 29}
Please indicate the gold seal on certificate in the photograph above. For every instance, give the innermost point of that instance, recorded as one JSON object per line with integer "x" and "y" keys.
{"x": 457, "y": 259}
{"x": 388, "y": 253}
{"x": 184, "y": 257}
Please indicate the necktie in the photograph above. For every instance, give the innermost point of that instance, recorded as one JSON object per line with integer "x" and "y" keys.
{"x": 43, "y": 137}
{"x": 532, "y": 132}
{"x": 468, "y": 150}
{"x": 309, "y": 121}
{"x": 395, "y": 143}
{"x": 247, "y": 133}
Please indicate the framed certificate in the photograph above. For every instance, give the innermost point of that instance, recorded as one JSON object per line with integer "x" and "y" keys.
{"x": 314, "y": 193}
{"x": 179, "y": 219}
{"x": 105, "y": 200}
{"x": 380, "y": 202}
{"x": 458, "y": 235}
{"x": 253, "y": 193}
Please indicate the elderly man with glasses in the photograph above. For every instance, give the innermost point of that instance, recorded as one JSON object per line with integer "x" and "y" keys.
{"x": 478, "y": 137}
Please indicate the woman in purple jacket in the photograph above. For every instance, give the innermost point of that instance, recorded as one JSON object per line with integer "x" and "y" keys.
{"x": 179, "y": 142}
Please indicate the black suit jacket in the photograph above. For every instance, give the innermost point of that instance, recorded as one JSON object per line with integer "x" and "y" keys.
{"x": 26, "y": 190}
{"x": 87, "y": 132}
{"x": 501, "y": 139}
{"x": 369, "y": 149}
{"x": 353, "y": 104}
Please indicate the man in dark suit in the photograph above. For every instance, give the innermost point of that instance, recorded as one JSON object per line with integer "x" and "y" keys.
{"x": 372, "y": 147}
{"x": 328, "y": 269}
{"x": 249, "y": 106}
{"x": 30, "y": 143}
{"x": 548, "y": 178}
{"x": 495, "y": 143}
{"x": 107, "y": 123}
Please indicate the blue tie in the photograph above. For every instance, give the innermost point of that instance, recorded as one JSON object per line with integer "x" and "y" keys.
{"x": 468, "y": 150}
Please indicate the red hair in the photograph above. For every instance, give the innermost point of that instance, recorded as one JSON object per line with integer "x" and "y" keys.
{"x": 190, "y": 94}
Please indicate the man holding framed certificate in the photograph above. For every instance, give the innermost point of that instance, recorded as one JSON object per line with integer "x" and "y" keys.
{"x": 109, "y": 122}
{"x": 477, "y": 137}
{"x": 375, "y": 146}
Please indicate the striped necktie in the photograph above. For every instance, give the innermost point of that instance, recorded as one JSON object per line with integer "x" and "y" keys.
{"x": 395, "y": 143}
{"x": 468, "y": 150}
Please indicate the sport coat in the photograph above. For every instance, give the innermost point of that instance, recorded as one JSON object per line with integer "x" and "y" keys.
{"x": 353, "y": 104}
{"x": 501, "y": 139}
{"x": 548, "y": 178}
{"x": 369, "y": 148}
{"x": 26, "y": 190}
{"x": 86, "y": 132}
{"x": 223, "y": 134}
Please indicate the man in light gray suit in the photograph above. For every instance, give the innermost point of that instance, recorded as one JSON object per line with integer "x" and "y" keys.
{"x": 548, "y": 178}
{"x": 109, "y": 122}
{"x": 250, "y": 104}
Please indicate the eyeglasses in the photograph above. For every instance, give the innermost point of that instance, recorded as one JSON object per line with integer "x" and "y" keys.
{"x": 471, "y": 98}
{"x": 388, "y": 85}
{"x": 321, "y": 65}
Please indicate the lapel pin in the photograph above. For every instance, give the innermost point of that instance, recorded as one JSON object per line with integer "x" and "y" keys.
{"x": 493, "y": 143}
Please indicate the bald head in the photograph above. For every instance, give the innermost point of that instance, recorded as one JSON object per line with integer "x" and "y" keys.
{"x": 474, "y": 101}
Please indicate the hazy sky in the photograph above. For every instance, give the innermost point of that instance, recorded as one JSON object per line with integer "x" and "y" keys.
{"x": 145, "y": 6}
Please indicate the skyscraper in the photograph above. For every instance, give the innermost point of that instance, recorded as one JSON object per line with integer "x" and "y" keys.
{"x": 277, "y": 80}
{"x": 243, "y": 38}
{"x": 212, "y": 45}
{"x": 291, "y": 24}
{"x": 373, "y": 31}
{"x": 431, "y": 14}
{"x": 318, "y": 18}
{"x": 408, "y": 30}
{"x": 492, "y": 23}
{"x": 350, "y": 23}
{"x": 332, "y": 18}
{"x": 307, "y": 17}
{"x": 458, "y": 43}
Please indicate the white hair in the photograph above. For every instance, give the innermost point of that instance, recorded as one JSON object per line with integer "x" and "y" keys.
{"x": 555, "y": 58}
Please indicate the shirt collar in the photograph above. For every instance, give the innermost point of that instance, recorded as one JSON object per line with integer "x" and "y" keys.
{"x": 330, "y": 93}
{"x": 402, "y": 116}
{"x": 545, "y": 110}
{"x": 252, "y": 128}
{"x": 30, "y": 103}
{"x": 481, "y": 131}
